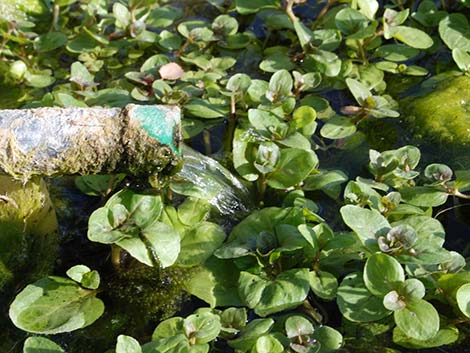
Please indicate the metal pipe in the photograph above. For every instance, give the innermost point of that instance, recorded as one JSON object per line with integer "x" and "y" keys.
{"x": 137, "y": 140}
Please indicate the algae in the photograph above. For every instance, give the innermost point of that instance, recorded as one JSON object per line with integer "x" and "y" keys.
{"x": 443, "y": 115}
{"x": 28, "y": 230}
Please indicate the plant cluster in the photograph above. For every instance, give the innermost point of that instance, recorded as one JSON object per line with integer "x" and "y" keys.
{"x": 320, "y": 242}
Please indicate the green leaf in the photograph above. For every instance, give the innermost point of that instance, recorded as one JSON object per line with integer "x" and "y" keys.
{"x": 85, "y": 276}
{"x": 413, "y": 37}
{"x": 54, "y": 305}
{"x": 129, "y": 220}
{"x": 419, "y": 319}
{"x": 350, "y": 21}
{"x": 169, "y": 327}
{"x": 330, "y": 339}
{"x": 298, "y": 326}
{"x": 360, "y": 92}
{"x": 338, "y": 127}
{"x": 50, "y": 41}
{"x": 177, "y": 343}
{"x": 268, "y": 344}
{"x": 462, "y": 59}
{"x": 294, "y": 165}
{"x": 280, "y": 85}
{"x": 225, "y": 25}
{"x": 163, "y": 16}
{"x": 326, "y": 62}
{"x": 367, "y": 224}
{"x": 368, "y": 7}
{"x": 239, "y": 83}
{"x": 286, "y": 291}
{"x": 199, "y": 244}
{"x": 423, "y": 196}
{"x": 245, "y": 7}
{"x": 304, "y": 33}
{"x": 276, "y": 62}
{"x": 216, "y": 283}
{"x": 156, "y": 243}
{"x": 412, "y": 289}
{"x": 39, "y": 80}
{"x": 397, "y": 52}
{"x": 127, "y": 344}
{"x": 81, "y": 76}
{"x": 382, "y": 273}
{"x": 428, "y": 14}
{"x": 463, "y": 299}
{"x": 41, "y": 345}
{"x": 455, "y": 31}
{"x": 202, "y": 327}
{"x": 250, "y": 334}
{"x": 204, "y": 109}
{"x": 233, "y": 320}
{"x": 446, "y": 336}
{"x": 122, "y": 15}
{"x": 356, "y": 303}
{"x": 325, "y": 180}
{"x": 323, "y": 284}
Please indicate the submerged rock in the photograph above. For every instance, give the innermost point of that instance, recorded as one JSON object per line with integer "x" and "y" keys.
{"x": 441, "y": 114}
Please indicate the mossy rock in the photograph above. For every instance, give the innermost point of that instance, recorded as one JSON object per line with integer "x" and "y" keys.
{"x": 28, "y": 231}
{"x": 443, "y": 115}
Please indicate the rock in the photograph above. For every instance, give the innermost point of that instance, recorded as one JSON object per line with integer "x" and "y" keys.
{"x": 442, "y": 115}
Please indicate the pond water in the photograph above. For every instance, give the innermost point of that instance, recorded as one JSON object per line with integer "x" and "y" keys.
{"x": 208, "y": 171}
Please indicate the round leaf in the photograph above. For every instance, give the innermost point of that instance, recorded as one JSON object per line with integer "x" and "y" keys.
{"x": 294, "y": 165}
{"x": 382, "y": 273}
{"x": 286, "y": 291}
{"x": 203, "y": 327}
{"x": 338, "y": 127}
{"x": 413, "y": 37}
{"x": 41, "y": 345}
{"x": 268, "y": 344}
{"x": 330, "y": 339}
{"x": 298, "y": 326}
{"x": 463, "y": 299}
{"x": 356, "y": 303}
{"x": 419, "y": 320}
{"x": 455, "y": 31}
{"x": 366, "y": 223}
{"x": 323, "y": 284}
{"x": 200, "y": 243}
{"x": 127, "y": 344}
{"x": 54, "y": 305}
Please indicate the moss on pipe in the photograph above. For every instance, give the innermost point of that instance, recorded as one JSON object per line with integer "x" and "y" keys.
{"x": 137, "y": 140}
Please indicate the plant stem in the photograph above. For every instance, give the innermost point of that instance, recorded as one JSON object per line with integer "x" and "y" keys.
{"x": 460, "y": 195}
{"x": 310, "y": 310}
{"x": 261, "y": 185}
{"x": 55, "y": 17}
{"x": 322, "y": 12}
{"x": 232, "y": 124}
{"x": 362, "y": 53}
{"x": 206, "y": 137}
{"x": 116, "y": 256}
